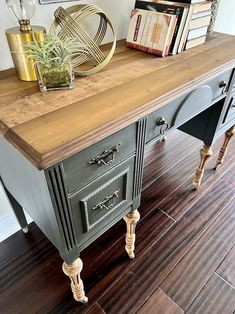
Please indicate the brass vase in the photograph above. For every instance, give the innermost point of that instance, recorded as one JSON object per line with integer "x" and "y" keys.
{"x": 17, "y": 41}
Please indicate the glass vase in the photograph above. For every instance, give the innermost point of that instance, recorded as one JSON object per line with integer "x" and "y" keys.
{"x": 55, "y": 77}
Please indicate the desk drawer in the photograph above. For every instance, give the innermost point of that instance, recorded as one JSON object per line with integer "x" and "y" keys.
{"x": 230, "y": 112}
{"x": 167, "y": 113}
{"x": 88, "y": 164}
{"x": 179, "y": 111}
{"x": 104, "y": 199}
{"x": 219, "y": 85}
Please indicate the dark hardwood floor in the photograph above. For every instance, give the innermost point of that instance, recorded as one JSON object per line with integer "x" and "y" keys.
{"x": 185, "y": 247}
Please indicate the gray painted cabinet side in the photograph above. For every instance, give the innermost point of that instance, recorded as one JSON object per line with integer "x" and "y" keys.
{"x": 29, "y": 187}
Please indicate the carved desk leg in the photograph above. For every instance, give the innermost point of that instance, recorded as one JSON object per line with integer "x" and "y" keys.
{"x": 205, "y": 153}
{"x": 131, "y": 220}
{"x": 73, "y": 271}
{"x": 17, "y": 208}
{"x": 223, "y": 150}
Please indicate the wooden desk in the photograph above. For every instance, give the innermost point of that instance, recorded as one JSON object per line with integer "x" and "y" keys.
{"x": 74, "y": 159}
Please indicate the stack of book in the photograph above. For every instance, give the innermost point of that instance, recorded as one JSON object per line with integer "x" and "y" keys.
{"x": 168, "y": 27}
{"x": 198, "y": 23}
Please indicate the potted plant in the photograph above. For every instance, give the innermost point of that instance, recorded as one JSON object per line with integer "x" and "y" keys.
{"x": 53, "y": 60}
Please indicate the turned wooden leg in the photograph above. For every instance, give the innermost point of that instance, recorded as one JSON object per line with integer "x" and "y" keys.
{"x": 223, "y": 150}
{"x": 73, "y": 271}
{"x": 205, "y": 153}
{"x": 131, "y": 220}
{"x": 17, "y": 208}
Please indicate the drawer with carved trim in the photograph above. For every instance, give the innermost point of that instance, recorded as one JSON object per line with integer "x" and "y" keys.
{"x": 182, "y": 109}
{"x": 99, "y": 158}
{"x": 104, "y": 200}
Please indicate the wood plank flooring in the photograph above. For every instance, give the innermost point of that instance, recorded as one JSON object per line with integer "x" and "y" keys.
{"x": 185, "y": 247}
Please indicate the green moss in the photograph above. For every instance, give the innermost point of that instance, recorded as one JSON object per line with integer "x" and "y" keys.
{"x": 56, "y": 76}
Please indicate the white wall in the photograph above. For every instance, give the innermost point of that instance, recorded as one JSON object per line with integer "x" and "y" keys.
{"x": 117, "y": 10}
{"x": 225, "y": 21}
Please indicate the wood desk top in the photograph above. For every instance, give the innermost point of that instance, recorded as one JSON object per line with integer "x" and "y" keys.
{"x": 48, "y": 127}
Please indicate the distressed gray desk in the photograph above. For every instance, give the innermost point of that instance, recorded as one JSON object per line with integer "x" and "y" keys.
{"x": 74, "y": 159}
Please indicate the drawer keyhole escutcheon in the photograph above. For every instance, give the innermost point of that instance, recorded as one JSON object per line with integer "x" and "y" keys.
{"x": 163, "y": 123}
{"x": 106, "y": 157}
{"x": 108, "y": 202}
{"x": 224, "y": 87}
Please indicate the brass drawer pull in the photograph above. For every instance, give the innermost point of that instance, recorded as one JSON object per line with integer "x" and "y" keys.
{"x": 107, "y": 203}
{"x": 164, "y": 125}
{"x": 106, "y": 158}
{"x": 223, "y": 85}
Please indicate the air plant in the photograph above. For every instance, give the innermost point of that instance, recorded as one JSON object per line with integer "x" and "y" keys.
{"x": 54, "y": 51}
{"x": 52, "y": 58}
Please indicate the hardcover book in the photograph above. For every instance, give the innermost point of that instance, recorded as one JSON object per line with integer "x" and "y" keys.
{"x": 195, "y": 42}
{"x": 197, "y": 32}
{"x": 201, "y": 14}
{"x": 201, "y": 7}
{"x": 200, "y": 22}
{"x": 151, "y": 31}
{"x": 175, "y": 8}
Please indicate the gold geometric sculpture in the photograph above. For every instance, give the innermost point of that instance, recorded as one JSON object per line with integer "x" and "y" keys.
{"x": 70, "y": 22}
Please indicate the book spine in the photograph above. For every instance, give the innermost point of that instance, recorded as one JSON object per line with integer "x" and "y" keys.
{"x": 169, "y": 9}
{"x": 186, "y": 29}
{"x": 180, "y": 30}
{"x": 151, "y": 31}
{"x": 136, "y": 27}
